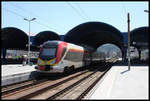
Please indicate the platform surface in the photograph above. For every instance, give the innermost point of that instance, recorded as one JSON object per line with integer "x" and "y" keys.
{"x": 16, "y": 73}
{"x": 120, "y": 83}
{"x": 7, "y": 70}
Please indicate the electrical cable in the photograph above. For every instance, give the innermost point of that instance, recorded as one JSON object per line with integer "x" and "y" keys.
{"x": 24, "y": 17}
{"x": 83, "y": 12}
{"x": 13, "y": 12}
{"x": 31, "y": 13}
{"x": 76, "y": 10}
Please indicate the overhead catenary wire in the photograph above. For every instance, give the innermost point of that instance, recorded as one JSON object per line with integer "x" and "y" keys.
{"x": 83, "y": 12}
{"x": 19, "y": 8}
{"x": 124, "y": 7}
{"x": 25, "y": 17}
{"x": 76, "y": 10}
{"x": 31, "y": 13}
{"x": 45, "y": 25}
{"x": 13, "y": 13}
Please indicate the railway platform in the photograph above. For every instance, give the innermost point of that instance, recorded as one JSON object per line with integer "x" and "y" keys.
{"x": 15, "y": 69}
{"x": 121, "y": 83}
{"x": 16, "y": 73}
{"x": 118, "y": 83}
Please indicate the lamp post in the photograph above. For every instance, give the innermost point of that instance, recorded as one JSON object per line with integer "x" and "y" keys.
{"x": 29, "y": 39}
{"x": 128, "y": 20}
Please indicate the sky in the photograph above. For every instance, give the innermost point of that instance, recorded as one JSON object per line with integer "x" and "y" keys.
{"x": 61, "y": 16}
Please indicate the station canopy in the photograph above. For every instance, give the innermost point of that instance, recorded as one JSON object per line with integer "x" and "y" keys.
{"x": 43, "y": 36}
{"x": 13, "y": 38}
{"x": 94, "y": 34}
{"x": 140, "y": 37}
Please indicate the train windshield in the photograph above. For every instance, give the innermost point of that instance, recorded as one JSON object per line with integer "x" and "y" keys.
{"x": 48, "y": 52}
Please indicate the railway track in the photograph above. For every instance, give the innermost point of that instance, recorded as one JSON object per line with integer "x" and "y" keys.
{"x": 21, "y": 85}
{"x": 74, "y": 86}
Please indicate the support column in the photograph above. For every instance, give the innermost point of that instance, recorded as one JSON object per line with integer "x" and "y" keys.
{"x": 139, "y": 54}
{"x": 3, "y": 52}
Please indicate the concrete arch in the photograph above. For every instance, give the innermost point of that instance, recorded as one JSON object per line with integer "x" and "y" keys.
{"x": 14, "y": 38}
{"x": 43, "y": 36}
{"x": 140, "y": 36}
{"x": 94, "y": 34}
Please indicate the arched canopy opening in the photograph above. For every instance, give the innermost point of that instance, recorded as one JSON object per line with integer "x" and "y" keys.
{"x": 140, "y": 37}
{"x": 14, "y": 38}
{"x": 110, "y": 50}
{"x": 41, "y": 37}
{"x": 94, "y": 34}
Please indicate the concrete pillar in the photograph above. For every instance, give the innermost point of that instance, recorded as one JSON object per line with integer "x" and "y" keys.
{"x": 139, "y": 54}
{"x": 3, "y": 52}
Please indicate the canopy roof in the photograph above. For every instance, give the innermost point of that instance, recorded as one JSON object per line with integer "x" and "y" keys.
{"x": 13, "y": 38}
{"x": 94, "y": 34}
{"x": 41, "y": 37}
{"x": 140, "y": 37}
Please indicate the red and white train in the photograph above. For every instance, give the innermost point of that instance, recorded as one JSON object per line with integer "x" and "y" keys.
{"x": 59, "y": 56}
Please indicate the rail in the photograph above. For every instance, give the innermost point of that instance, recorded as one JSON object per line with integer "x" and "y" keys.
{"x": 74, "y": 86}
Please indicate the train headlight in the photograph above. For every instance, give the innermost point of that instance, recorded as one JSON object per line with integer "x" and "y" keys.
{"x": 39, "y": 62}
{"x": 52, "y": 62}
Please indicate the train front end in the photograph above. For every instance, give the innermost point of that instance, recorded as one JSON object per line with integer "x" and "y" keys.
{"x": 50, "y": 57}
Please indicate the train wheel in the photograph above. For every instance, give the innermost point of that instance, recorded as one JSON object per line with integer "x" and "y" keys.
{"x": 68, "y": 69}
{"x": 72, "y": 68}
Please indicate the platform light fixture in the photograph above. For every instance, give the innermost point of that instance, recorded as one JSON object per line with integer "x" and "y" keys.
{"x": 29, "y": 38}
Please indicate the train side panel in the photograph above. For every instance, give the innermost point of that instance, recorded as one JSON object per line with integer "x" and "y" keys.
{"x": 67, "y": 55}
{"x": 74, "y": 56}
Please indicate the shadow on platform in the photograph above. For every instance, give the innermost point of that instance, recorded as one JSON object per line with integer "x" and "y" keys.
{"x": 124, "y": 71}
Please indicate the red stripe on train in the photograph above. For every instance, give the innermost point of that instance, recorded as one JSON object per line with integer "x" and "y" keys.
{"x": 61, "y": 45}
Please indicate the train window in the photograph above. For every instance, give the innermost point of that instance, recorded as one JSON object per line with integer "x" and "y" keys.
{"x": 48, "y": 52}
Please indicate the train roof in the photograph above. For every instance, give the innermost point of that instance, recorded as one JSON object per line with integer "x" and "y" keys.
{"x": 52, "y": 41}
{"x": 56, "y": 42}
